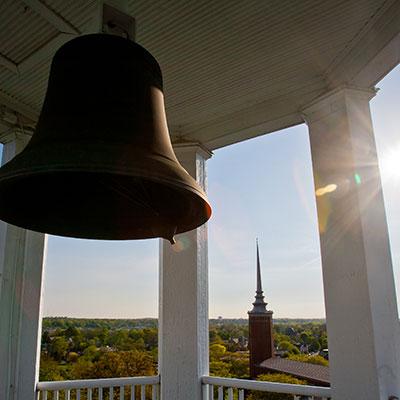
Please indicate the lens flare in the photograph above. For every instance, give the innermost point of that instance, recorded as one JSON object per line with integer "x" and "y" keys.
{"x": 181, "y": 244}
{"x": 326, "y": 189}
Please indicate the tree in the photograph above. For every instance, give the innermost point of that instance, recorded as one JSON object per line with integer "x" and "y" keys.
{"x": 217, "y": 351}
{"x": 220, "y": 368}
{"x": 239, "y": 365}
{"x": 124, "y": 363}
{"x": 314, "y": 345}
{"x": 318, "y": 360}
{"x": 90, "y": 353}
{"x": 150, "y": 336}
{"x": 58, "y": 348}
{"x": 288, "y": 347}
{"x": 281, "y": 378}
{"x": 49, "y": 369}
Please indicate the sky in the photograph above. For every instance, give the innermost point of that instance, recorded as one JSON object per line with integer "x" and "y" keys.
{"x": 268, "y": 181}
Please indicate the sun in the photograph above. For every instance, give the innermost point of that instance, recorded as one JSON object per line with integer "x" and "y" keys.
{"x": 390, "y": 163}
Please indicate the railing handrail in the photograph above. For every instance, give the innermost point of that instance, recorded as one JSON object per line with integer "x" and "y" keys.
{"x": 97, "y": 383}
{"x": 264, "y": 386}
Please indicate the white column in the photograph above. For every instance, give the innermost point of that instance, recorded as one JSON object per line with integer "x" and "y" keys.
{"x": 183, "y": 312}
{"x": 21, "y": 261}
{"x": 360, "y": 298}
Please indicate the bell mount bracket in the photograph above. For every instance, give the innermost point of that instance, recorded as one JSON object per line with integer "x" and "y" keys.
{"x": 117, "y": 22}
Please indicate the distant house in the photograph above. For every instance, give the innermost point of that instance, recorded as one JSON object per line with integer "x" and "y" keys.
{"x": 263, "y": 358}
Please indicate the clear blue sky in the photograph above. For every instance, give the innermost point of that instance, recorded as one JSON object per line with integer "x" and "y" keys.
{"x": 260, "y": 188}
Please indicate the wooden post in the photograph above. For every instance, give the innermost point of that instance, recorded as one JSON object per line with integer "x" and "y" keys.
{"x": 183, "y": 315}
{"x": 360, "y": 299}
{"x": 21, "y": 270}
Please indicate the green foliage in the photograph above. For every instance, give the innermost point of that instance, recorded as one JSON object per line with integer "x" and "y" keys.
{"x": 281, "y": 378}
{"x": 123, "y": 363}
{"x": 58, "y": 348}
{"x": 288, "y": 347}
{"x": 238, "y": 365}
{"x": 49, "y": 370}
{"x": 315, "y": 359}
{"x": 72, "y": 357}
{"x": 93, "y": 348}
{"x": 220, "y": 368}
{"x": 314, "y": 345}
{"x": 217, "y": 351}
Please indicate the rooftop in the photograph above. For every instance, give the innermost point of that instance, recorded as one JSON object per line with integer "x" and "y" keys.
{"x": 317, "y": 374}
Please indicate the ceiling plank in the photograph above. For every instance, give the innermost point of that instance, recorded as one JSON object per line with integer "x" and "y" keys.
{"x": 368, "y": 61}
{"x": 44, "y": 53}
{"x": 19, "y": 107}
{"x": 52, "y": 17}
{"x": 5, "y": 62}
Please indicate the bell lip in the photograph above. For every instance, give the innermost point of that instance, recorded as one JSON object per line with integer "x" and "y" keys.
{"x": 166, "y": 234}
{"x": 23, "y": 166}
{"x": 133, "y": 172}
{"x": 122, "y": 160}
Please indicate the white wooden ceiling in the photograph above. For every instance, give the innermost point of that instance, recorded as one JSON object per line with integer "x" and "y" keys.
{"x": 233, "y": 69}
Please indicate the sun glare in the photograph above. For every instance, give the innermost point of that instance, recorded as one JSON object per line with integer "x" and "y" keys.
{"x": 390, "y": 164}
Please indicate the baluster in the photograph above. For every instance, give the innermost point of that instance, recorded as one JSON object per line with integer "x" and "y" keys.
{"x": 67, "y": 394}
{"x": 241, "y": 394}
{"x": 230, "y": 393}
{"x": 220, "y": 393}
{"x": 121, "y": 393}
{"x": 142, "y": 392}
{"x": 153, "y": 392}
{"x": 100, "y": 393}
{"x": 56, "y": 395}
{"x": 45, "y": 395}
{"x": 210, "y": 392}
{"x": 111, "y": 393}
{"x": 78, "y": 394}
{"x": 89, "y": 394}
{"x": 204, "y": 391}
{"x": 133, "y": 392}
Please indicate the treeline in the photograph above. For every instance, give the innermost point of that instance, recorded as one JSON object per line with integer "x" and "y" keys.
{"x": 86, "y": 352}
{"x": 93, "y": 323}
{"x": 75, "y": 348}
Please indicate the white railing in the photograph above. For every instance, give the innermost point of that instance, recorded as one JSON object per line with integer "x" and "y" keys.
{"x": 135, "y": 388}
{"x": 216, "y": 388}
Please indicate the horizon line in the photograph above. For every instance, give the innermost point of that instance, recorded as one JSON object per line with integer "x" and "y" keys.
{"x": 71, "y": 317}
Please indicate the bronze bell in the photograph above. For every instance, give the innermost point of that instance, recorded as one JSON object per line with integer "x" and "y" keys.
{"x": 100, "y": 164}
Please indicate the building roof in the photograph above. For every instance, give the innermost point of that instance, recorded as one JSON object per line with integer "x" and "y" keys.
{"x": 232, "y": 69}
{"x": 311, "y": 372}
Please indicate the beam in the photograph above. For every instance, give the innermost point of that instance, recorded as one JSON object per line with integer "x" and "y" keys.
{"x": 52, "y": 17}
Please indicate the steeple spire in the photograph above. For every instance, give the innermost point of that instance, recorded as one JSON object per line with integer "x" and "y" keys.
{"x": 259, "y": 304}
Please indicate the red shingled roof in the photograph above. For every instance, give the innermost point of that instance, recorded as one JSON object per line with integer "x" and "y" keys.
{"x": 315, "y": 373}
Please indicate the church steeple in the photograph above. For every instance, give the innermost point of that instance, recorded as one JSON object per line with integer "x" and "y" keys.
{"x": 259, "y": 306}
{"x": 261, "y": 342}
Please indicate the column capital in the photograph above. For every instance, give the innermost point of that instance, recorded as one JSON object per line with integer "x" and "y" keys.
{"x": 189, "y": 147}
{"x": 335, "y": 101}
